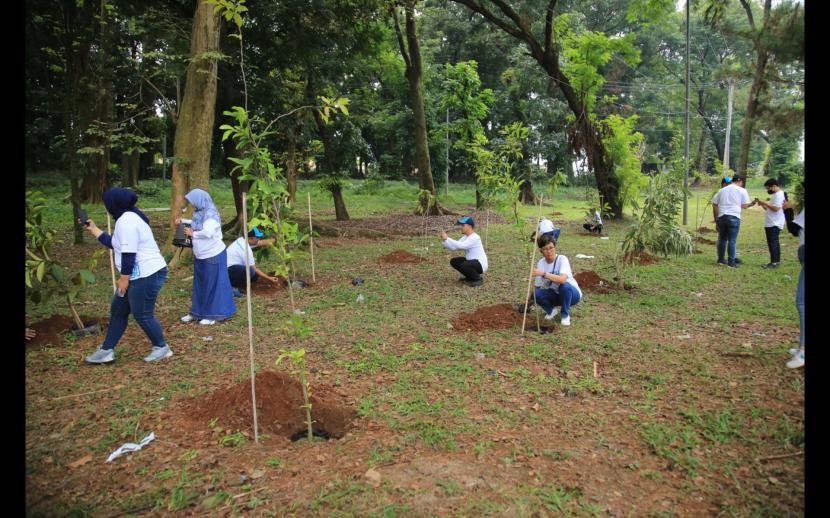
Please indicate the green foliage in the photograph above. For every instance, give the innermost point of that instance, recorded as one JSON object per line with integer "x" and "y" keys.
{"x": 45, "y": 276}
{"x": 494, "y": 166}
{"x": 623, "y": 144}
{"x": 300, "y": 367}
{"x": 656, "y": 229}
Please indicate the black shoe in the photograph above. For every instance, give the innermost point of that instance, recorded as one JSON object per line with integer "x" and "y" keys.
{"x": 738, "y": 260}
{"x": 732, "y": 265}
{"x": 475, "y": 283}
{"x": 770, "y": 266}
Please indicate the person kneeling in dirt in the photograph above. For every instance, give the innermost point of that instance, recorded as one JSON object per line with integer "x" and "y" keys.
{"x": 236, "y": 262}
{"x": 555, "y": 284}
{"x": 595, "y": 225}
{"x": 546, "y": 226}
{"x": 474, "y": 262}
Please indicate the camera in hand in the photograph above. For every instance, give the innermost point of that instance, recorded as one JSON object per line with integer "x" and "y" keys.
{"x": 180, "y": 239}
{"x": 82, "y": 217}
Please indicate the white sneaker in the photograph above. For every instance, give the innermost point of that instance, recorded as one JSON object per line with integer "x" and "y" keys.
{"x": 793, "y": 351}
{"x": 797, "y": 360}
{"x": 101, "y": 356}
{"x": 187, "y": 318}
{"x": 553, "y": 313}
{"x": 566, "y": 321}
{"x": 159, "y": 353}
{"x": 207, "y": 322}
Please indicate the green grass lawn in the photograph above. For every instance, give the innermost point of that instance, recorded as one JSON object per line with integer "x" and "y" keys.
{"x": 690, "y": 407}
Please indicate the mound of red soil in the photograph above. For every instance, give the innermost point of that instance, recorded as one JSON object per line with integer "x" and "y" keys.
{"x": 704, "y": 241}
{"x": 590, "y": 281}
{"x": 278, "y": 400}
{"x": 500, "y": 316}
{"x": 641, "y": 257}
{"x": 265, "y": 288}
{"x": 402, "y": 256}
{"x": 52, "y": 329}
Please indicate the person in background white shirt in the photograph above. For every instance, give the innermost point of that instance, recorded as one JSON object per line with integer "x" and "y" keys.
{"x": 595, "y": 225}
{"x": 474, "y": 262}
{"x": 726, "y": 209}
{"x": 546, "y": 226}
{"x": 236, "y": 262}
{"x": 773, "y": 221}
{"x": 212, "y": 297}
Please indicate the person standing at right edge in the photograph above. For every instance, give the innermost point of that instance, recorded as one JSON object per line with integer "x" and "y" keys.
{"x": 797, "y": 226}
{"x": 212, "y": 297}
{"x": 773, "y": 221}
{"x": 726, "y": 209}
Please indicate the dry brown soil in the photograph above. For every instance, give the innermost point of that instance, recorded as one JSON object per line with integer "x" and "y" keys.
{"x": 402, "y": 257}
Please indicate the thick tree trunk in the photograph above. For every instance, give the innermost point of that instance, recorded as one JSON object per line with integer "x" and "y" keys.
{"x": 758, "y": 85}
{"x": 526, "y": 194}
{"x": 340, "y": 212}
{"x": 194, "y": 127}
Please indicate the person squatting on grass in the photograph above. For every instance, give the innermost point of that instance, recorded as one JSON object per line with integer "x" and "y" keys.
{"x": 474, "y": 262}
{"x": 726, "y": 209}
{"x": 212, "y": 297}
{"x": 773, "y": 221}
{"x": 236, "y": 262}
{"x": 595, "y": 225}
{"x": 555, "y": 284}
{"x": 797, "y": 227}
{"x": 143, "y": 272}
{"x": 546, "y": 226}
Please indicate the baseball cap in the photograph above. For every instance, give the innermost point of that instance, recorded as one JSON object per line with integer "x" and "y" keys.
{"x": 726, "y": 179}
{"x": 466, "y": 220}
{"x": 256, "y": 232}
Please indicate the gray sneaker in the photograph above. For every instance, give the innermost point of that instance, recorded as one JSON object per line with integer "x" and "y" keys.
{"x": 101, "y": 356}
{"x": 159, "y": 353}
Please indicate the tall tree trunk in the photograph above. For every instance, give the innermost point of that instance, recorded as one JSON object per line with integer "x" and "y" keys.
{"x": 700, "y": 158}
{"x": 291, "y": 167}
{"x": 194, "y": 127}
{"x": 238, "y": 187}
{"x": 340, "y": 212}
{"x": 411, "y": 52}
{"x": 526, "y": 194}
{"x": 758, "y": 84}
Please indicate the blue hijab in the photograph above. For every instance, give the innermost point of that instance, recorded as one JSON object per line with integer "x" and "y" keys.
{"x": 205, "y": 208}
{"x": 118, "y": 201}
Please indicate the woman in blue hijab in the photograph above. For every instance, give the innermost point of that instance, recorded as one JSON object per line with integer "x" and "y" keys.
{"x": 143, "y": 272}
{"x": 212, "y": 297}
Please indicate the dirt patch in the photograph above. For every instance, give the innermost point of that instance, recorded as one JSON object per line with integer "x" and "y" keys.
{"x": 590, "y": 281}
{"x": 557, "y": 213}
{"x": 402, "y": 256}
{"x": 406, "y": 224}
{"x": 704, "y": 230}
{"x": 500, "y": 316}
{"x": 51, "y": 330}
{"x": 278, "y": 401}
{"x": 642, "y": 257}
{"x": 704, "y": 241}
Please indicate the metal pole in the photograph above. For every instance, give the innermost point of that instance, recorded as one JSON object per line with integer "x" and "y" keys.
{"x": 686, "y": 155}
{"x": 728, "y": 126}
{"x": 447, "y": 172}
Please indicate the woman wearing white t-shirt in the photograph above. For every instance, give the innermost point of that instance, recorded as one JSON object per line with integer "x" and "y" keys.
{"x": 212, "y": 297}
{"x": 555, "y": 283}
{"x": 143, "y": 272}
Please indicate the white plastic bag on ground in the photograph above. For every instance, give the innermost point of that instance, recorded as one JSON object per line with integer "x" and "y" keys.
{"x": 130, "y": 446}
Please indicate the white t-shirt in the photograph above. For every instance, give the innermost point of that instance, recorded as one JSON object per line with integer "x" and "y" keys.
{"x": 473, "y": 249}
{"x": 729, "y": 200}
{"x": 236, "y": 252}
{"x": 799, "y": 220}
{"x": 559, "y": 266}
{"x": 545, "y": 226}
{"x": 132, "y": 235}
{"x": 775, "y": 218}
{"x": 597, "y": 218}
{"x": 208, "y": 241}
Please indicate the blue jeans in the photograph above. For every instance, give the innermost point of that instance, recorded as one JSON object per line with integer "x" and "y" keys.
{"x": 236, "y": 274}
{"x": 140, "y": 300}
{"x": 728, "y": 228}
{"x": 773, "y": 244}
{"x": 568, "y": 296}
{"x": 799, "y": 295}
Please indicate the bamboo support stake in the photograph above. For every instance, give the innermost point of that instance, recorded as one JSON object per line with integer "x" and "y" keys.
{"x": 530, "y": 273}
{"x": 248, "y": 303}
{"x": 311, "y": 239}
{"x": 595, "y": 369}
{"x": 112, "y": 259}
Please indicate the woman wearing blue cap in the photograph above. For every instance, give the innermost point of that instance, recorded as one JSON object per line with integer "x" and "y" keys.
{"x": 236, "y": 261}
{"x": 474, "y": 262}
{"x": 212, "y": 297}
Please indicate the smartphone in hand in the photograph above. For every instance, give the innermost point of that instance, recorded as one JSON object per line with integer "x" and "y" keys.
{"x": 82, "y": 217}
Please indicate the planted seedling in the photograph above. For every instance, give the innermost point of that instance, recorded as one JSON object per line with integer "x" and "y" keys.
{"x": 296, "y": 357}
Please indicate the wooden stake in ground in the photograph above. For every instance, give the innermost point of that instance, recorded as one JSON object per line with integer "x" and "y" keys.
{"x": 112, "y": 259}
{"x": 248, "y": 303}
{"x": 311, "y": 239}
{"x": 530, "y": 274}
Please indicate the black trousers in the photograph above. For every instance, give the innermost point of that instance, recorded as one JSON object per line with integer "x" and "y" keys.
{"x": 472, "y": 270}
{"x": 587, "y": 226}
